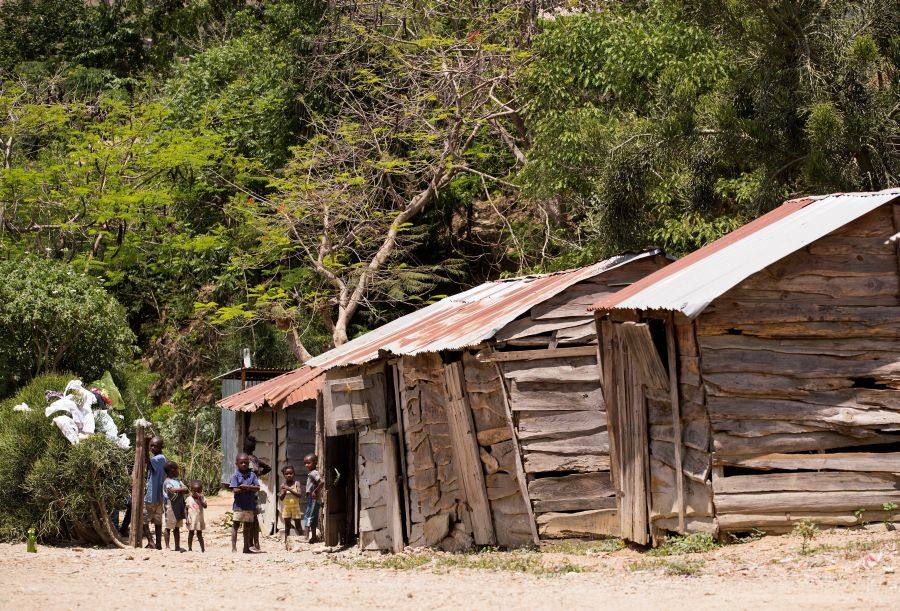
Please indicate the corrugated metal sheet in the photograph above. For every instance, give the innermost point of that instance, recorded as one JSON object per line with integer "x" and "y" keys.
{"x": 282, "y": 391}
{"x": 466, "y": 319}
{"x": 456, "y": 322}
{"x": 692, "y": 283}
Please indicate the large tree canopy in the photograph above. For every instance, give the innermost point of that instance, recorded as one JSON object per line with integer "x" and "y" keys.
{"x": 53, "y": 318}
{"x": 286, "y": 175}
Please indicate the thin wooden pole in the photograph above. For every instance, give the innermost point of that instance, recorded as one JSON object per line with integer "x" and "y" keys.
{"x": 401, "y": 449}
{"x": 676, "y": 420}
{"x": 520, "y": 469}
{"x": 136, "y": 535}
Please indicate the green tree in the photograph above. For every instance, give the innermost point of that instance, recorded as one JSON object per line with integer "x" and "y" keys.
{"x": 54, "y": 318}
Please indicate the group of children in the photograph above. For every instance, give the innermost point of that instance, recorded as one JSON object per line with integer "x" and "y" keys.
{"x": 169, "y": 503}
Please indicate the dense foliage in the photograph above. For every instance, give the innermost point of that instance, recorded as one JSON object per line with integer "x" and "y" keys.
{"x": 285, "y": 175}
{"x": 54, "y": 318}
{"x": 48, "y": 484}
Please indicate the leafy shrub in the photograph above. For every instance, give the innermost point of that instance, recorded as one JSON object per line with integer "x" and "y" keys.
{"x": 695, "y": 543}
{"x": 45, "y": 482}
{"x": 54, "y": 318}
{"x": 806, "y": 530}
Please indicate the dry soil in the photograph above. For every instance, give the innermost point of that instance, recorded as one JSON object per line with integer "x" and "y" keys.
{"x": 853, "y": 568}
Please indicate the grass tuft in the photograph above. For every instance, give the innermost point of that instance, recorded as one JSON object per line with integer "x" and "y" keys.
{"x": 695, "y": 543}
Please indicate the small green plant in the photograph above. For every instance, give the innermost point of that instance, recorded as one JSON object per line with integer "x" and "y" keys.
{"x": 487, "y": 560}
{"x": 695, "y": 543}
{"x": 858, "y": 514}
{"x": 585, "y": 548}
{"x": 754, "y": 535}
{"x": 807, "y": 530}
{"x": 683, "y": 568}
{"x": 889, "y": 507}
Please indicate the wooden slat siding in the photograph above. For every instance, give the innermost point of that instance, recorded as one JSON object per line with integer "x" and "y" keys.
{"x": 895, "y": 216}
{"x": 557, "y": 371}
{"x": 520, "y": 469}
{"x": 468, "y": 463}
{"x": 833, "y": 501}
{"x": 552, "y": 397}
{"x": 883, "y": 462}
{"x": 676, "y": 420}
{"x": 527, "y": 326}
{"x": 575, "y": 300}
{"x": 495, "y": 438}
{"x": 808, "y": 482}
{"x": 784, "y": 522}
{"x": 533, "y": 355}
{"x": 600, "y": 522}
{"x": 541, "y": 424}
{"x": 432, "y": 481}
{"x": 404, "y": 476}
{"x": 782, "y": 354}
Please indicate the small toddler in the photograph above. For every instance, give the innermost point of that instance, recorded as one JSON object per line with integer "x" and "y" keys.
{"x": 196, "y": 524}
{"x": 175, "y": 492}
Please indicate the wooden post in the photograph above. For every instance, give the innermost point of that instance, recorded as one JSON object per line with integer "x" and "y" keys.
{"x": 394, "y": 523}
{"x": 401, "y": 435}
{"x": 136, "y": 535}
{"x": 470, "y": 471}
{"x": 676, "y": 420}
{"x": 520, "y": 470}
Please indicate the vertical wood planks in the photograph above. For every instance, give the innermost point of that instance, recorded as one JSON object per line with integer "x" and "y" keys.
{"x": 520, "y": 469}
{"x": 395, "y": 523}
{"x": 395, "y": 373}
{"x": 676, "y": 419}
{"x": 465, "y": 451}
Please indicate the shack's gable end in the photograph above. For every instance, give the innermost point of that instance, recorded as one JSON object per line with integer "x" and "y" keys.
{"x": 801, "y": 368}
{"x": 564, "y": 319}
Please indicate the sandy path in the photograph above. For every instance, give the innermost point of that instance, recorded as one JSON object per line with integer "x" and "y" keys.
{"x": 765, "y": 573}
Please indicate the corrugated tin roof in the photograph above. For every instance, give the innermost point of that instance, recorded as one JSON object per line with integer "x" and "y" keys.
{"x": 466, "y": 319}
{"x": 456, "y": 322}
{"x": 693, "y": 282}
{"x": 280, "y": 392}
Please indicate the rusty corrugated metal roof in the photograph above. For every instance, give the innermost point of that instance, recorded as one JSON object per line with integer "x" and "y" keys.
{"x": 280, "y": 392}
{"x": 693, "y": 282}
{"x": 459, "y": 321}
{"x": 466, "y": 319}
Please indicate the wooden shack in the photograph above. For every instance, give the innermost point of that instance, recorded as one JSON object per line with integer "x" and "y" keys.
{"x": 280, "y": 414}
{"x": 756, "y": 382}
{"x": 477, "y": 420}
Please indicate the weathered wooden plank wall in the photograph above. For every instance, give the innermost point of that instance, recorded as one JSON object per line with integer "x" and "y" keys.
{"x": 803, "y": 357}
{"x": 498, "y": 456}
{"x": 436, "y": 511}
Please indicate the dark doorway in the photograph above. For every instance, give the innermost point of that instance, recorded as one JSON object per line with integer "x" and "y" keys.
{"x": 340, "y": 490}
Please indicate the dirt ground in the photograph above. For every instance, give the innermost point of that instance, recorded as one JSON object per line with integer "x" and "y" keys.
{"x": 852, "y": 568}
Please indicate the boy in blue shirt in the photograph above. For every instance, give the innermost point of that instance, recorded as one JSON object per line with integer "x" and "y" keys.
{"x": 153, "y": 499}
{"x": 245, "y": 485}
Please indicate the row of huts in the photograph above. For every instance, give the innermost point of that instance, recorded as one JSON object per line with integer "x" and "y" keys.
{"x": 751, "y": 384}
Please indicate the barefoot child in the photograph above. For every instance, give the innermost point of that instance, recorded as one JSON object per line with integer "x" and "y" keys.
{"x": 290, "y": 494}
{"x": 245, "y": 485}
{"x": 196, "y": 523}
{"x": 153, "y": 499}
{"x": 260, "y": 468}
{"x": 313, "y": 496}
{"x": 175, "y": 508}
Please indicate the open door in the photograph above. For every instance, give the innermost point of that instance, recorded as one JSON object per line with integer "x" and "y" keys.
{"x": 631, "y": 367}
{"x": 340, "y": 490}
